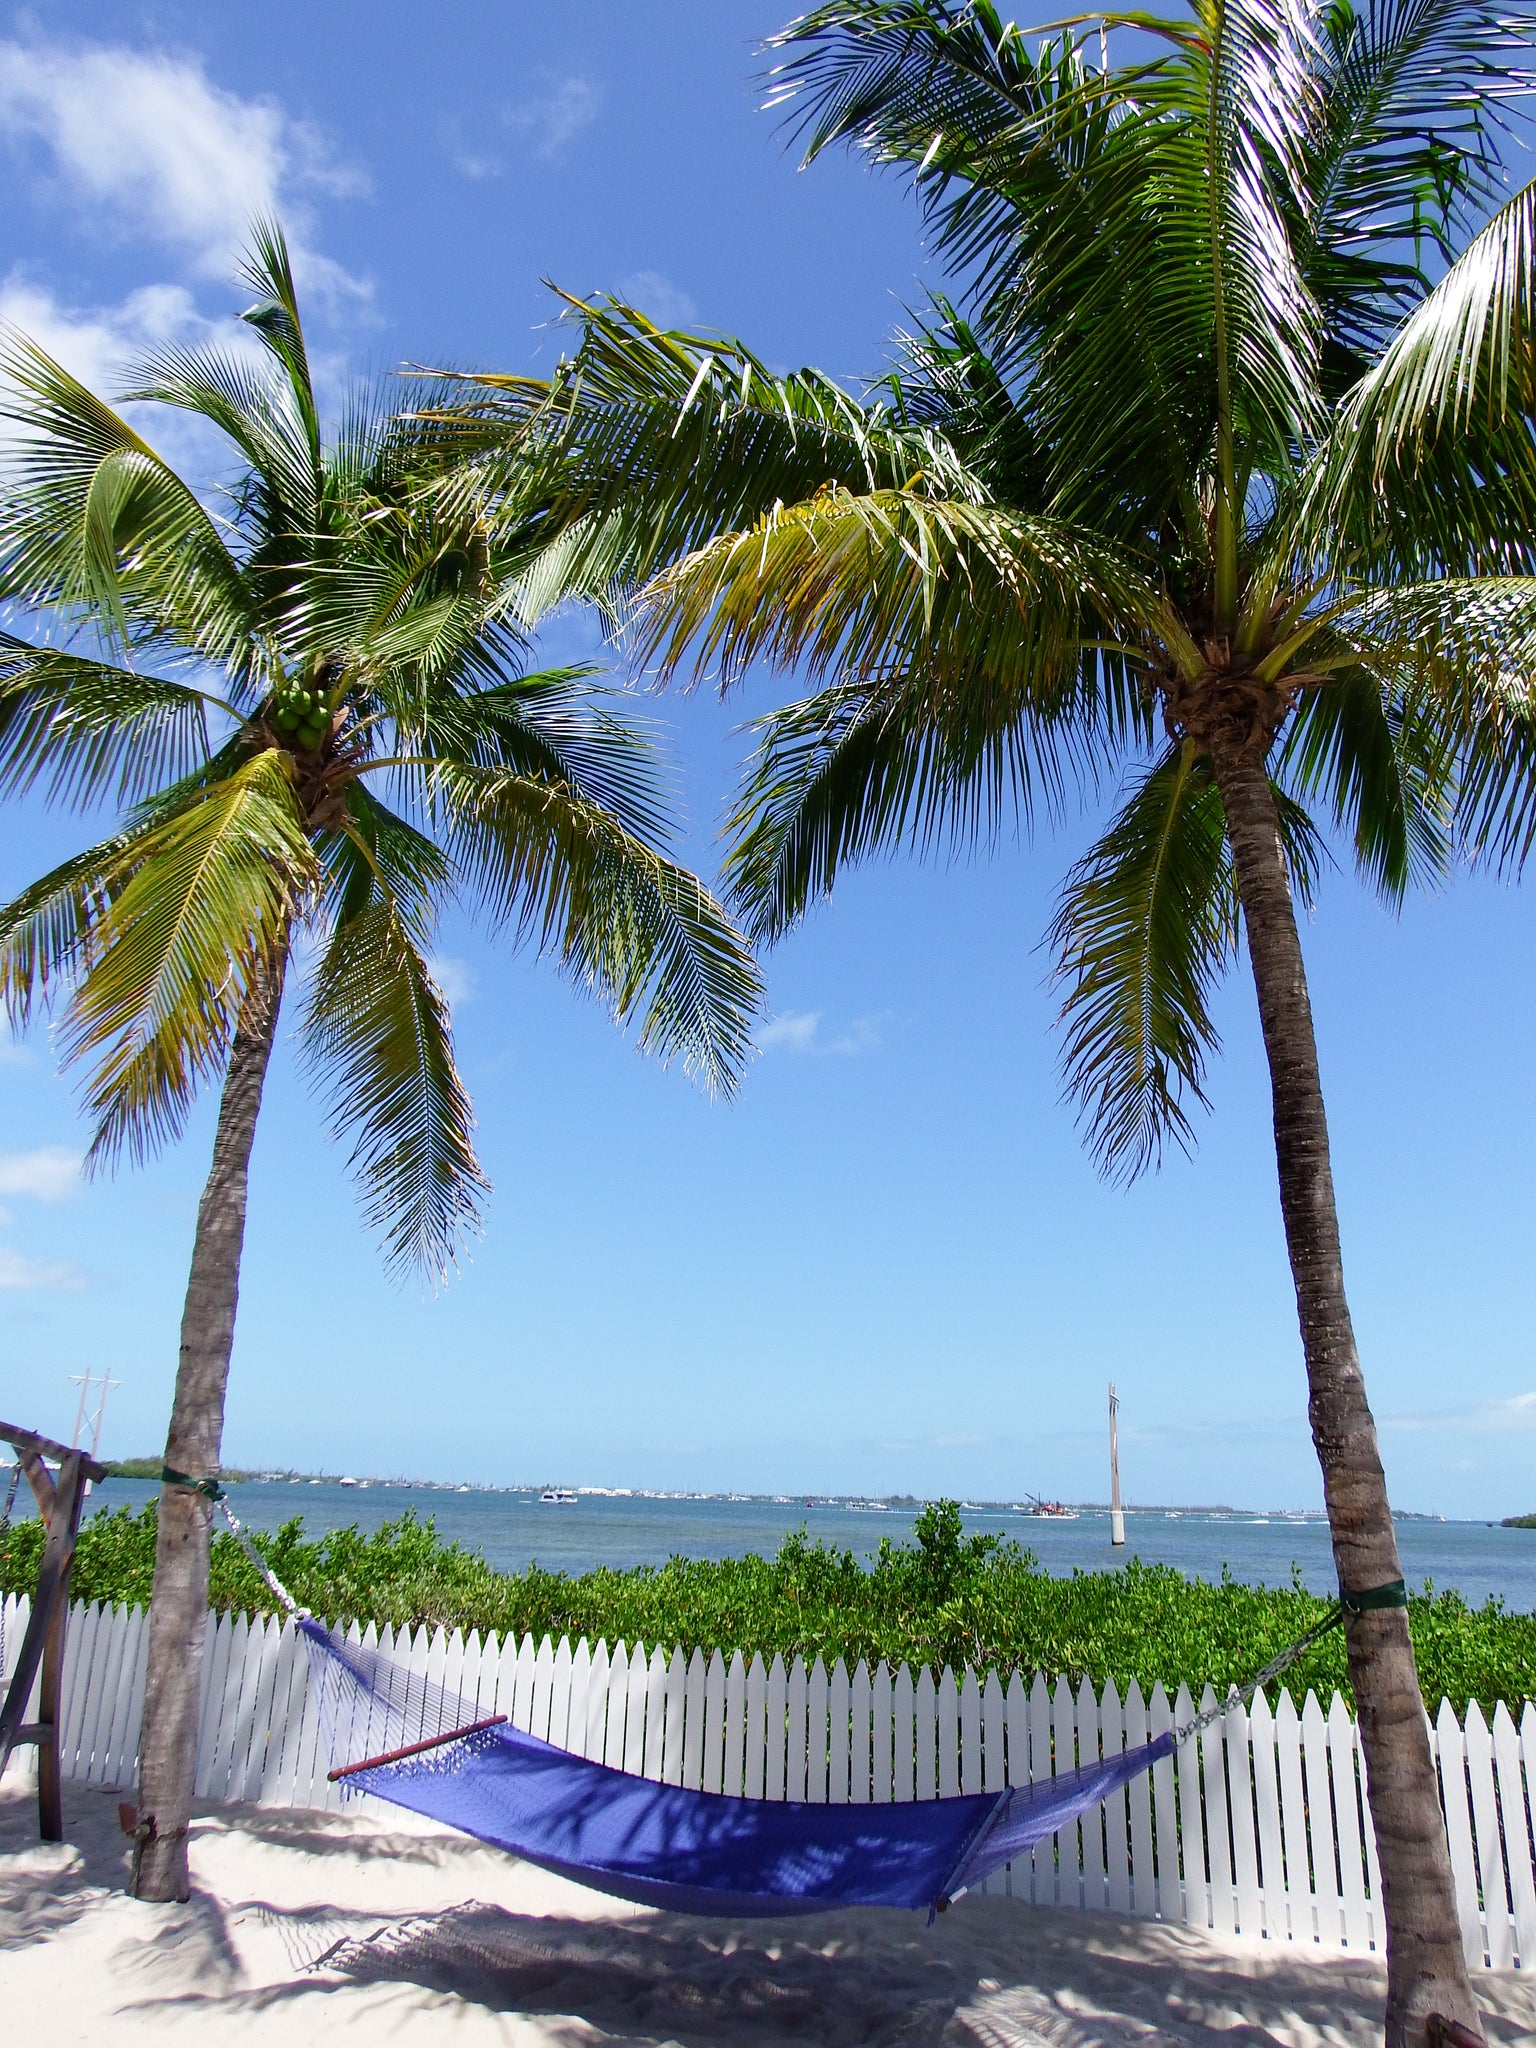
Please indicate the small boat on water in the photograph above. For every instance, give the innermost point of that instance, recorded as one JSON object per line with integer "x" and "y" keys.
{"x": 557, "y": 1497}
{"x": 1050, "y": 1508}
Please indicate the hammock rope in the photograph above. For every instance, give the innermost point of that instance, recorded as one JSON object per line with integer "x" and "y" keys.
{"x": 421, "y": 1744}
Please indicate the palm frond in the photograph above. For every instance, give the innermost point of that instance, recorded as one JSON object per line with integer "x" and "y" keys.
{"x": 892, "y": 581}
{"x": 97, "y": 524}
{"x": 86, "y": 731}
{"x": 1146, "y": 923}
{"x": 377, "y": 1036}
{"x": 641, "y": 932}
{"x": 199, "y": 903}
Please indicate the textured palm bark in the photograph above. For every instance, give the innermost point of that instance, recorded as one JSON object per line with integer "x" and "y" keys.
{"x": 178, "y": 1610}
{"x": 1426, "y": 1969}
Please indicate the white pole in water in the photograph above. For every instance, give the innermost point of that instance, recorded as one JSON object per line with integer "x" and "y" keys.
{"x": 1116, "y": 1512}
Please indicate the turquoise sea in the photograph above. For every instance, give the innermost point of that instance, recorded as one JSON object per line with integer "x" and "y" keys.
{"x": 513, "y": 1528}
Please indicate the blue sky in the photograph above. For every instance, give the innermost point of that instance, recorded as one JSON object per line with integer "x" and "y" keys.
{"x": 889, "y": 1265}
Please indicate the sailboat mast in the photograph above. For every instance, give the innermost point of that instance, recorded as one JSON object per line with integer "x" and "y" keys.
{"x": 1116, "y": 1512}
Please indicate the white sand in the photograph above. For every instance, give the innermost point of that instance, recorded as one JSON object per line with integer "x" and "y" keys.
{"x": 312, "y": 1928}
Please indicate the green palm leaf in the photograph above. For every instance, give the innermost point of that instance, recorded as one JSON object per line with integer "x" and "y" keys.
{"x": 377, "y": 1037}
{"x": 195, "y": 907}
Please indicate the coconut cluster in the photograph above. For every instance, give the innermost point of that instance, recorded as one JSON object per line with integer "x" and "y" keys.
{"x": 300, "y": 714}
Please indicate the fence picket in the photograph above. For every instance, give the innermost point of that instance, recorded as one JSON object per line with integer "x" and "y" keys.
{"x": 838, "y": 1709}
{"x": 756, "y": 1740}
{"x": 1042, "y": 1764}
{"x": 215, "y": 1663}
{"x": 948, "y": 1734}
{"x": 590, "y": 1733}
{"x": 712, "y": 1743}
{"x": 1293, "y": 1824}
{"x": 903, "y": 1736}
{"x": 816, "y": 1734}
{"x": 924, "y": 1735}
{"x": 1143, "y": 1862}
{"x": 561, "y": 1684}
{"x": 637, "y": 1711}
{"x": 108, "y": 1681}
{"x": 1346, "y": 1826}
{"x": 882, "y": 1736}
{"x": 1170, "y": 1888}
{"x": 1218, "y": 1840}
{"x": 1245, "y": 1848}
{"x": 1458, "y": 1830}
{"x": 732, "y": 1777}
{"x": 543, "y": 1688}
{"x": 79, "y": 1647}
{"x": 616, "y": 1708}
{"x": 1490, "y": 1860}
{"x": 795, "y": 1738}
{"x": 657, "y": 1684}
{"x": 1320, "y": 1825}
{"x": 1020, "y": 1874}
{"x": 1092, "y": 1822}
{"x": 269, "y": 1638}
{"x": 1069, "y": 1855}
{"x": 1117, "y": 1890}
{"x": 1517, "y": 1838}
{"x": 1266, "y": 1791}
{"x": 693, "y": 1722}
{"x": 674, "y": 1699}
{"x": 1372, "y": 1864}
{"x": 860, "y": 1700}
{"x": 524, "y": 1684}
{"x": 970, "y": 1733}
{"x": 288, "y": 1717}
{"x": 775, "y": 1771}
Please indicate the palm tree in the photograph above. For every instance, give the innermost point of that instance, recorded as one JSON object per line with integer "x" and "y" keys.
{"x": 1197, "y": 484}
{"x": 313, "y": 708}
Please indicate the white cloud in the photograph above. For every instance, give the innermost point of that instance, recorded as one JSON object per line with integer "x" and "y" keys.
{"x": 659, "y": 297}
{"x": 564, "y": 107}
{"x": 800, "y": 1031}
{"x": 49, "y": 1174}
{"x": 793, "y": 1031}
{"x": 456, "y": 979}
{"x": 21, "y": 1275}
{"x": 148, "y": 143}
{"x": 14, "y": 1055}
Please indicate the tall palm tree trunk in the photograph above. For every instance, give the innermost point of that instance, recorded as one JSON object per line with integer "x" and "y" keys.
{"x": 178, "y": 1611}
{"x": 1426, "y": 1970}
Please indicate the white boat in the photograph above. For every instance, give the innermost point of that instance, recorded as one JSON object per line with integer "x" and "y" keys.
{"x": 558, "y": 1497}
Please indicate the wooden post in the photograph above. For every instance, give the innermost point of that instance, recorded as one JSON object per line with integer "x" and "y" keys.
{"x": 1116, "y": 1512}
{"x": 59, "y": 1501}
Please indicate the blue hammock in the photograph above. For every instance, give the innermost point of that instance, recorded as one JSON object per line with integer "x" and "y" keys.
{"x": 665, "y": 1845}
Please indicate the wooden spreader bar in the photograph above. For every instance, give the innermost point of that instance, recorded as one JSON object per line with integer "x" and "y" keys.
{"x": 393, "y": 1756}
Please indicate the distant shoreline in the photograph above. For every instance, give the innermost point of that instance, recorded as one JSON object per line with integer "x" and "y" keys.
{"x": 150, "y": 1469}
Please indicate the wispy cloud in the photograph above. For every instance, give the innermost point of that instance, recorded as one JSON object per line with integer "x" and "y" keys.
{"x": 50, "y": 1174}
{"x": 800, "y": 1031}
{"x": 456, "y": 978}
{"x": 21, "y": 1275}
{"x": 144, "y": 142}
{"x": 657, "y": 296}
{"x": 560, "y": 108}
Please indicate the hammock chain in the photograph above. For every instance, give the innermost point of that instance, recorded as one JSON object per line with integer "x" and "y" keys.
{"x": 1342, "y": 1612}
{"x": 211, "y": 1490}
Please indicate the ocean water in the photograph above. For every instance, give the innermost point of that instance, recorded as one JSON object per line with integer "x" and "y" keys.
{"x": 513, "y": 1529}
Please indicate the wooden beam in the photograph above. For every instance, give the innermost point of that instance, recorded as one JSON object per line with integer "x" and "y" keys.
{"x": 25, "y": 1440}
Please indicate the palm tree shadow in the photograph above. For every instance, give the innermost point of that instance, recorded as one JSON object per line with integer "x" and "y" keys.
{"x": 674, "y": 1982}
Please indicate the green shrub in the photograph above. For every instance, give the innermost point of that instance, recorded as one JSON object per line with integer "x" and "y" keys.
{"x": 943, "y": 1598}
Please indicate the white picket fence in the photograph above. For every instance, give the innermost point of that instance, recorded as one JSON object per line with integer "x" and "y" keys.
{"x": 1259, "y": 1829}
